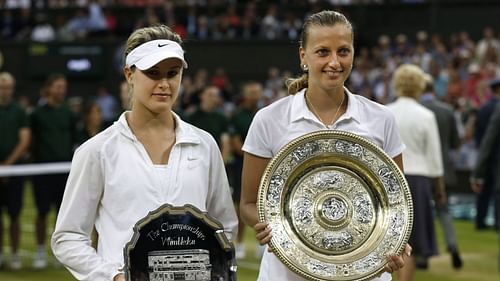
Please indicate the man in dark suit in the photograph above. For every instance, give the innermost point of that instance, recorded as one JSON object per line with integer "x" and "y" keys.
{"x": 485, "y": 194}
{"x": 487, "y": 161}
{"x": 448, "y": 134}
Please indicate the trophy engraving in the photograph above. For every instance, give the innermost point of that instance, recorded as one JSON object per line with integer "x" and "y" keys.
{"x": 179, "y": 265}
{"x": 337, "y": 204}
{"x": 179, "y": 243}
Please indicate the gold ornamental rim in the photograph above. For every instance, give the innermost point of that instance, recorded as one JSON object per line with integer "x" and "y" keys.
{"x": 341, "y": 136}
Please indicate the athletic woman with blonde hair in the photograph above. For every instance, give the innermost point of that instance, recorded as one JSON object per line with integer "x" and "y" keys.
{"x": 318, "y": 101}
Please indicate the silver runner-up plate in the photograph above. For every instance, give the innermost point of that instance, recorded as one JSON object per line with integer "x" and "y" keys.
{"x": 337, "y": 205}
{"x": 179, "y": 243}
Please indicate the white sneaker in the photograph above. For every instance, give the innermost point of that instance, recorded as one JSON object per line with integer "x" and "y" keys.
{"x": 40, "y": 260}
{"x": 240, "y": 251}
{"x": 15, "y": 263}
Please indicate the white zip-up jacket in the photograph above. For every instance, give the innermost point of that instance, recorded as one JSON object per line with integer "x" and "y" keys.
{"x": 113, "y": 183}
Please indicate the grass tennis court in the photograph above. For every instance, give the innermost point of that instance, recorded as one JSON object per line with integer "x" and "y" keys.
{"x": 479, "y": 251}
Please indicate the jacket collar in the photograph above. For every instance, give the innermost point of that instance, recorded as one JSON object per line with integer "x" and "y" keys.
{"x": 299, "y": 109}
{"x": 184, "y": 133}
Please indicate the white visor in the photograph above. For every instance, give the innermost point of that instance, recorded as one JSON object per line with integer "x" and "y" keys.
{"x": 150, "y": 53}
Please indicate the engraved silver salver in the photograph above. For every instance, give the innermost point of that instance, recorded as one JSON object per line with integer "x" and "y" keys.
{"x": 337, "y": 205}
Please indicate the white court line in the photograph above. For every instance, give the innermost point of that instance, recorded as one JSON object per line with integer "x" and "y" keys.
{"x": 35, "y": 169}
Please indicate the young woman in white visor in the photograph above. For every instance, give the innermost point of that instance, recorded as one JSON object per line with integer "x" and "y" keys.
{"x": 145, "y": 159}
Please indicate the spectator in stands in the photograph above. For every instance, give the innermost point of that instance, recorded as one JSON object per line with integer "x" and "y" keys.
{"x": 461, "y": 62}
{"x": 192, "y": 89}
{"x": 204, "y": 28}
{"x": 384, "y": 44}
{"x": 488, "y": 42}
{"x": 456, "y": 89}
{"x": 78, "y": 25}
{"x": 487, "y": 160}
{"x": 274, "y": 86}
{"x": 466, "y": 42}
{"x": 43, "y": 31}
{"x": 7, "y": 25}
{"x": 147, "y": 158}
{"x": 76, "y": 104}
{"x": 485, "y": 194}
{"x": 191, "y": 22}
{"x": 450, "y": 140}
{"x": 233, "y": 20}
{"x": 489, "y": 72}
{"x": 185, "y": 94}
{"x": 92, "y": 122}
{"x": 240, "y": 122}
{"x": 53, "y": 125}
{"x": 271, "y": 27}
{"x": 108, "y": 105}
{"x": 249, "y": 22}
{"x": 125, "y": 97}
{"x": 422, "y": 57}
{"x": 222, "y": 81}
{"x": 62, "y": 31}
{"x": 291, "y": 26}
{"x": 13, "y": 146}
{"x": 23, "y": 24}
{"x": 124, "y": 93}
{"x": 150, "y": 16}
{"x": 471, "y": 86}
{"x": 382, "y": 88}
{"x": 208, "y": 117}
{"x": 16, "y": 4}
{"x": 318, "y": 100}
{"x": 24, "y": 102}
{"x": 422, "y": 161}
{"x": 96, "y": 21}
{"x": 402, "y": 49}
{"x": 439, "y": 53}
{"x": 440, "y": 77}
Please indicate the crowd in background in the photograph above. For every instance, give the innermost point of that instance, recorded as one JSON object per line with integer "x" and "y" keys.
{"x": 462, "y": 70}
{"x": 140, "y": 3}
{"x": 46, "y": 21}
{"x": 200, "y": 20}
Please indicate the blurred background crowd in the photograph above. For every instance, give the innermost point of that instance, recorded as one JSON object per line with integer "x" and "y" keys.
{"x": 462, "y": 67}
{"x": 197, "y": 20}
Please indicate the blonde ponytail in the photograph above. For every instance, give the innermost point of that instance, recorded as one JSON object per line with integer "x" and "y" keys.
{"x": 294, "y": 85}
